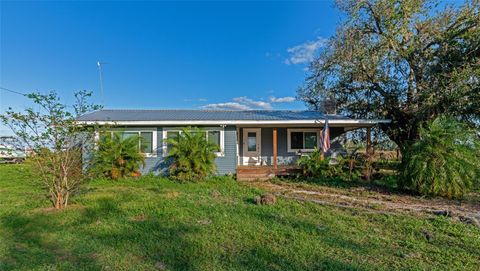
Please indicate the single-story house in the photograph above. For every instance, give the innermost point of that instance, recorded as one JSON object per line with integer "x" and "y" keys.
{"x": 253, "y": 143}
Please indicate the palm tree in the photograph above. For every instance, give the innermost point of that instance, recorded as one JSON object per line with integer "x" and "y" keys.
{"x": 118, "y": 156}
{"x": 193, "y": 157}
{"x": 445, "y": 161}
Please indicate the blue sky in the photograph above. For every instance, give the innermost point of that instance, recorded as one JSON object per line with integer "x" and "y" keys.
{"x": 239, "y": 55}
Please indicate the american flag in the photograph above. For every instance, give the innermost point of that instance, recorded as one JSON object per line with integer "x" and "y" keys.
{"x": 325, "y": 137}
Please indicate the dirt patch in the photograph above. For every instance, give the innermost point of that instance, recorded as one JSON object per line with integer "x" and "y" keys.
{"x": 375, "y": 201}
{"x": 215, "y": 194}
{"x": 171, "y": 194}
{"x": 94, "y": 256}
{"x": 53, "y": 210}
{"x": 204, "y": 222}
{"x": 160, "y": 266}
{"x": 47, "y": 210}
{"x": 21, "y": 247}
{"x": 138, "y": 218}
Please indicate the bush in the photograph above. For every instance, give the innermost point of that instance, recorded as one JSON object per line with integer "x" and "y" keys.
{"x": 350, "y": 166}
{"x": 444, "y": 162}
{"x": 193, "y": 157}
{"x": 60, "y": 181}
{"x": 316, "y": 167}
{"x": 50, "y": 130}
{"x": 117, "y": 157}
{"x": 313, "y": 165}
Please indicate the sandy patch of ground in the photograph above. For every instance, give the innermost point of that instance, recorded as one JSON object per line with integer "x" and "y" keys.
{"x": 375, "y": 201}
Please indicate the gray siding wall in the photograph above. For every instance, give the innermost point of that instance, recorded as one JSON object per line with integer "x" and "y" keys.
{"x": 228, "y": 163}
{"x": 283, "y": 156}
{"x": 225, "y": 164}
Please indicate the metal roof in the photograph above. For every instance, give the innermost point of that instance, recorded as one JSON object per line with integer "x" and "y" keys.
{"x": 219, "y": 117}
{"x": 203, "y": 115}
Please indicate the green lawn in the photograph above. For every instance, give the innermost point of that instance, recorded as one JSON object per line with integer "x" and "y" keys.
{"x": 155, "y": 224}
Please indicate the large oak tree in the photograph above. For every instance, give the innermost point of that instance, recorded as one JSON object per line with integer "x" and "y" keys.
{"x": 404, "y": 60}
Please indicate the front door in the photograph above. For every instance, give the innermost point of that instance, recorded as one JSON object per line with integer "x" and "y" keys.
{"x": 251, "y": 146}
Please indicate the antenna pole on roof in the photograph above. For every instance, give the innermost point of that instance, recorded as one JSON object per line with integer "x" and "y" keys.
{"x": 334, "y": 104}
{"x": 99, "y": 65}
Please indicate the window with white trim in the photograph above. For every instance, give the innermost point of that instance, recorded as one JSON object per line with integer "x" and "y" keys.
{"x": 170, "y": 134}
{"x": 212, "y": 134}
{"x": 147, "y": 143}
{"x": 305, "y": 140}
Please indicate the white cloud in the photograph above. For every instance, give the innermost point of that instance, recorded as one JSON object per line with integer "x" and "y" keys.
{"x": 226, "y": 106}
{"x": 252, "y": 103}
{"x": 305, "y": 52}
{"x": 245, "y": 103}
{"x": 281, "y": 99}
{"x": 195, "y": 100}
{"x": 239, "y": 103}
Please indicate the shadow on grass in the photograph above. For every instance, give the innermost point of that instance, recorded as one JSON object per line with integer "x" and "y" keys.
{"x": 327, "y": 235}
{"x": 37, "y": 240}
{"x": 103, "y": 235}
{"x": 32, "y": 247}
{"x": 256, "y": 259}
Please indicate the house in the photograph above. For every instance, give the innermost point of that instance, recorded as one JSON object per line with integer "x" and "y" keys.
{"x": 254, "y": 143}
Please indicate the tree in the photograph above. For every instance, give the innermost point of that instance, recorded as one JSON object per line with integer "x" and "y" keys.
{"x": 117, "y": 157}
{"x": 445, "y": 161}
{"x": 56, "y": 141}
{"x": 405, "y": 60}
{"x": 193, "y": 156}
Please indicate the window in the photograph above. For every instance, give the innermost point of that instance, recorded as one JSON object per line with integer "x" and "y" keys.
{"x": 214, "y": 135}
{"x": 146, "y": 143}
{"x": 171, "y": 134}
{"x": 310, "y": 140}
{"x": 252, "y": 141}
{"x": 126, "y": 135}
{"x": 302, "y": 139}
{"x": 296, "y": 141}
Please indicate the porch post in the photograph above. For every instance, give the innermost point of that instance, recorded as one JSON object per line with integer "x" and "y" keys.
{"x": 369, "y": 140}
{"x": 369, "y": 152}
{"x": 322, "y": 154}
{"x": 238, "y": 148}
{"x": 275, "y": 149}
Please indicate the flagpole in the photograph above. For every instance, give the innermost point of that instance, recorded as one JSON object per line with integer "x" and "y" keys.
{"x": 325, "y": 138}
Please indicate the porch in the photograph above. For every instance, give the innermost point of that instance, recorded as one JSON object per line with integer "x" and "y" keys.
{"x": 249, "y": 173}
{"x": 266, "y": 152}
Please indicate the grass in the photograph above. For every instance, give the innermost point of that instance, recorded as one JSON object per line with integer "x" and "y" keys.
{"x": 382, "y": 182}
{"x": 155, "y": 224}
